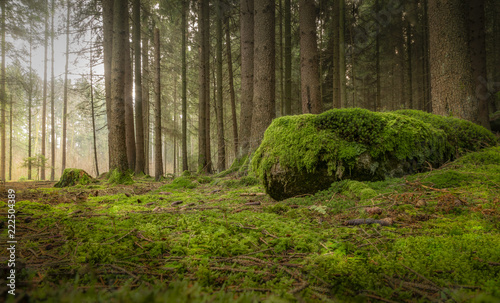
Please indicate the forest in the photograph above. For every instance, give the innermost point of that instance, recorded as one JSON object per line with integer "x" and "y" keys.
{"x": 250, "y": 151}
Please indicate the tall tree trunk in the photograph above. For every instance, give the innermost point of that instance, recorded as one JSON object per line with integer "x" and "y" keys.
{"x": 139, "y": 150}
{"x": 129, "y": 106}
{"x": 264, "y": 74}
{"x": 94, "y": 137}
{"x": 221, "y": 146}
{"x": 145, "y": 91}
{"x": 158, "y": 155}
{"x": 116, "y": 124}
{"x": 409, "y": 64}
{"x": 231, "y": 88}
{"x": 377, "y": 63}
{"x": 342, "y": 67}
{"x": 336, "y": 49}
{"x": 426, "y": 60}
{"x": 44, "y": 98}
{"x": 281, "y": 58}
{"x": 52, "y": 97}
{"x": 309, "y": 74}
{"x": 184, "y": 26}
{"x": 247, "y": 59}
{"x": 10, "y": 136}
{"x": 477, "y": 44}
{"x": 288, "y": 58}
{"x": 3, "y": 99}
{"x": 107, "y": 45}
{"x": 204, "y": 83}
{"x": 30, "y": 102}
{"x": 65, "y": 94}
{"x": 452, "y": 82}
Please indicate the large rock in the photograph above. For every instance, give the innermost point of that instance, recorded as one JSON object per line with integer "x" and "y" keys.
{"x": 306, "y": 153}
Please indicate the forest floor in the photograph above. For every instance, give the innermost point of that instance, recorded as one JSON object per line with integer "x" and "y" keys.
{"x": 429, "y": 237}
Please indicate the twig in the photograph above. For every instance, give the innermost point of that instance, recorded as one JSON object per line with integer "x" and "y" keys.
{"x": 120, "y": 237}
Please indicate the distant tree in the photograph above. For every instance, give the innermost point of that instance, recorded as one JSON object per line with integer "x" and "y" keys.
{"x": 3, "y": 95}
{"x": 44, "y": 104}
{"x": 158, "y": 155}
{"x": 65, "y": 106}
{"x": 221, "y": 146}
{"x": 139, "y": 164}
{"x": 184, "y": 26}
{"x": 231, "y": 87}
{"x": 204, "y": 161}
{"x": 52, "y": 96}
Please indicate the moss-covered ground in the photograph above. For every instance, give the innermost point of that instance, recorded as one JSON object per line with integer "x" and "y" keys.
{"x": 219, "y": 239}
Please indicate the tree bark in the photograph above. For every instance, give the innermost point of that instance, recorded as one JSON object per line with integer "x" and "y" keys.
{"x": 65, "y": 93}
{"x": 145, "y": 90}
{"x": 342, "y": 66}
{"x": 158, "y": 155}
{"x": 52, "y": 97}
{"x": 107, "y": 45}
{"x": 452, "y": 82}
{"x": 247, "y": 59}
{"x": 288, "y": 58}
{"x": 231, "y": 88}
{"x": 3, "y": 99}
{"x": 129, "y": 106}
{"x": 264, "y": 70}
{"x": 139, "y": 132}
{"x": 116, "y": 125}
{"x": 184, "y": 26}
{"x": 477, "y": 44}
{"x": 44, "y": 97}
{"x": 221, "y": 146}
{"x": 336, "y": 49}
{"x": 309, "y": 74}
{"x": 204, "y": 162}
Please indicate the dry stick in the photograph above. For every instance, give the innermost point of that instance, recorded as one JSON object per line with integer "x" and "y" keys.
{"x": 120, "y": 237}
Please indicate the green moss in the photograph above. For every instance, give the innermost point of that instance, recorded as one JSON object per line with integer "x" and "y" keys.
{"x": 315, "y": 150}
{"x": 73, "y": 176}
{"x": 463, "y": 136}
{"x": 117, "y": 177}
{"x": 179, "y": 183}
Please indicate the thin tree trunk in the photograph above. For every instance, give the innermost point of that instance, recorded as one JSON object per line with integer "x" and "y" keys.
{"x": 65, "y": 96}
{"x": 129, "y": 106}
{"x": 204, "y": 162}
{"x": 336, "y": 49}
{"x": 92, "y": 105}
{"x": 264, "y": 70}
{"x": 145, "y": 92}
{"x": 247, "y": 60}
{"x": 184, "y": 26}
{"x": 44, "y": 98}
{"x": 3, "y": 96}
{"x": 30, "y": 103}
{"x": 342, "y": 67}
{"x": 231, "y": 88}
{"x": 10, "y": 136}
{"x": 158, "y": 155}
{"x": 107, "y": 25}
{"x": 221, "y": 146}
{"x": 281, "y": 58}
{"x": 116, "y": 124}
{"x": 409, "y": 64}
{"x": 288, "y": 59}
{"x": 52, "y": 97}
{"x": 377, "y": 63}
{"x": 139, "y": 149}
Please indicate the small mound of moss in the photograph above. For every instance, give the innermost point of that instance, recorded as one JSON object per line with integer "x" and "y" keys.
{"x": 73, "y": 176}
{"x": 117, "y": 177}
{"x": 178, "y": 183}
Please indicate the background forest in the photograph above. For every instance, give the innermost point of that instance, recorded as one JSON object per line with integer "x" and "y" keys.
{"x": 192, "y": 77}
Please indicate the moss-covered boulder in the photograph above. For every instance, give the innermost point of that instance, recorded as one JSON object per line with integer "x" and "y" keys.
{"x": 74, "y": 176}
{"x": 306, "y": 153}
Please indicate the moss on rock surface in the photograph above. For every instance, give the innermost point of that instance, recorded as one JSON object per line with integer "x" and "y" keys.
{"x": 306, "y": 153}
{"x": 74, "y": 176}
